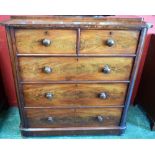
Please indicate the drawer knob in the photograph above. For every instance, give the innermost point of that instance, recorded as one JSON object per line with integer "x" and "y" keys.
{"x": 46, "y": 42}
{"x": 100, "y": 118}
{"x": 110, "y": 42}
{"x": 49, "y": 95}
{"x": 103, "y": 95}
{"x": 50, "y": 119}
{"x": 47, "y": 69}
{"x": 106, "y": 69}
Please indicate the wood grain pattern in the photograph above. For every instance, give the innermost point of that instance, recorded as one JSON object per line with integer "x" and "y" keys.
{"x": 92, "y": 68}
{"x": 61, "y": 117}
{"x": 88, "y": 117}
{"x": 62, "y": 30}
{"x": 30, "y": 41}
{"x": 31, "y": 69}
{"x": 74, "y": 94}
{"x": 38, "y": 118}
{"x": 94, "y": 41}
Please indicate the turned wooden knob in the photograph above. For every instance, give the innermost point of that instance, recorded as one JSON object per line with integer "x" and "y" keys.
{"x": 110, "y": 42}
{"x": 100, "y": 118}
{"x": 106, "y": 69}
{"x": 46, "y": 42}
{"x": 49, "y": 95}
{"x": 50, "y": 119}
{"x": 103, "y": 95}
{"x": 47, "y": 69}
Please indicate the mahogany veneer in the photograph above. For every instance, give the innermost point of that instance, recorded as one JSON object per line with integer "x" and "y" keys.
{"x": 74, "y": 74}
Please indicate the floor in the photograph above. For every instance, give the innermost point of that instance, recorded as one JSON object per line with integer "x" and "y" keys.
{"x": 138, "y": 126}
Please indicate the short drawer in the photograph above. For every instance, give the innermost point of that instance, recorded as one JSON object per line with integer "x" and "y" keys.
{"x": 50, "y": 118}
{"x": 54, "y": 69}
{"x": 108, "y": 41}
{"x": 83, "y": 117}
{"x": 98, "y": 117}
{"x": 45, "y": 41}
{"x": 49, "y": 95}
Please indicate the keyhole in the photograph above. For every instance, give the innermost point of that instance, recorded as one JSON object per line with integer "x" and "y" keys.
{"x": 110, "y": 33}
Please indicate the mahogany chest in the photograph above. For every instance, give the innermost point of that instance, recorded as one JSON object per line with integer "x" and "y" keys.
{"x": 74, "y": 74}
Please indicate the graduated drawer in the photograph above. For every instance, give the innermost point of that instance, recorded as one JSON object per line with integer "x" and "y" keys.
{"x": 70, "y": 68}
{"x": 50, "y": 95}
{"x": 61, "y": 118}
{"x": 108, "y": 41}
{"x": 44, "y": 41}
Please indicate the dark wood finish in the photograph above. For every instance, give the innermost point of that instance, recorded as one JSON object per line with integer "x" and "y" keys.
{"x": 146, "y": 95}
{"x": 82, "y": 62}
{"x": 61, "y": 118}
{"x": 134, "y": 75}
{"x": 78, "y": 41}
{"x": 74, "y": 95}
{"x": 40, "y": 118}
{"x": 12, "y": 49}
{"x": 31, "y": 69}
{"x": 72, "y": 131}
{"x": 89, "y": 117}
{"x": 94, "y": 41}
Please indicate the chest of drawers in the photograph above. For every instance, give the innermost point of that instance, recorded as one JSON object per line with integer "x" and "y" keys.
{"x": 74, "y": 74}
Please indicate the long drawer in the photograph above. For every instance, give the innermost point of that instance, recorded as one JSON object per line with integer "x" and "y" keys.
{"x": 47, "y": 95}
{"x": 86, "y": 117}
{"x": 60, "y": 68}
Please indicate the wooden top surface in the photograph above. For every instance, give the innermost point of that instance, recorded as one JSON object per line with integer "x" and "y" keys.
{"x": 73, "y": 21}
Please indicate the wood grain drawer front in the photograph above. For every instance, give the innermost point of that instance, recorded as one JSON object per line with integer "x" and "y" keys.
{"x": 61, "y": 95}
{"x": 101, "y": 94}
{"x": 32, "y": 69}
{"x": 55, "y": 118}
{"x": 108, "y": 41}
{"x": 47, "y": 95}
{"x": 83, "y": 117}
{"x": 95, "y": 68}
{"x": 36, "y": 41}
{"x": 98, "y": 117}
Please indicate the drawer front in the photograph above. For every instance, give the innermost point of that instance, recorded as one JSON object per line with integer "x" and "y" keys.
{"x": 108, "y": 41}
{"x": 83, "y": 117}
{"x": 49, "y": 95}
{"x": 38, "y": 41}
{"x": 46, "y": 95}
{"x": 33, "y": 69}
{"x": 98, "y": 117}
{"x": 55, "y": 118}
{"x": 107, "y": 68}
